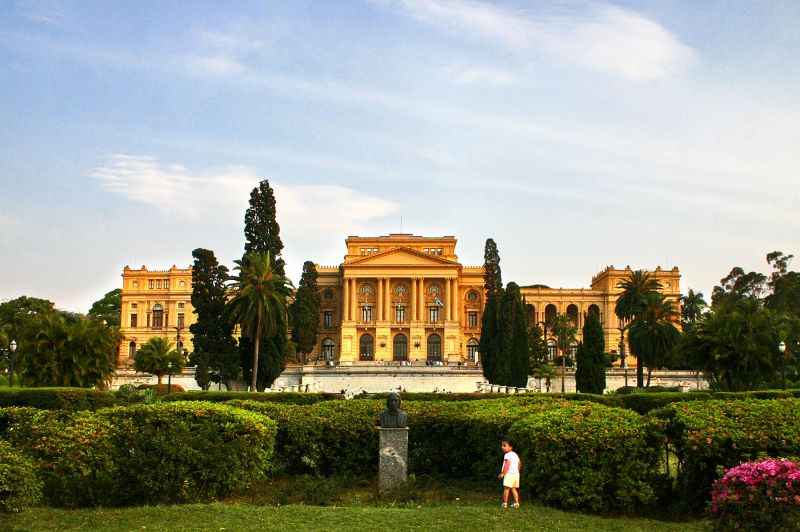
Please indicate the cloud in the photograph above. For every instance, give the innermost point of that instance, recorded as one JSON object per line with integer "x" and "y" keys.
{"x": 601, "y": 37}
{"x": 175, "y": 189}
{"x": 214, "y": 65}
{"x": 480, "y": 75}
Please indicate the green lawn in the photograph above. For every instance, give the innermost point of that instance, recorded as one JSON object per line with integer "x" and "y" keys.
{"x": 240, "y": 516}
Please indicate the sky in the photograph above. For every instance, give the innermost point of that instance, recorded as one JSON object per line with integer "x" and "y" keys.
{"x": 576, "y": 134}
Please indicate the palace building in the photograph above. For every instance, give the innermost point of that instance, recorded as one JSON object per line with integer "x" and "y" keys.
{"x": 398, "y": 298}
{"x": 155, "y": 303}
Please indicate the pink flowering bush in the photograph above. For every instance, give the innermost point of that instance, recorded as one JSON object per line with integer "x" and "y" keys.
{"x": 763, "y": 495}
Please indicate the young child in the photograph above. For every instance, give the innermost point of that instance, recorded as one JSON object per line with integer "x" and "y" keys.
{"x": 512, "y": 466}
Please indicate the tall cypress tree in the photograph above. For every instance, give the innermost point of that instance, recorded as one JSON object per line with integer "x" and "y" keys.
{"x": 590, "y": 375}
{"x": 262, "y": 234}
{"x": 304, "y": 311}
{"x": 215, "y": 354}
{"x": 261, "y": 230}
{"x": 490, "y": 324}
{"x": 511, "y": 365}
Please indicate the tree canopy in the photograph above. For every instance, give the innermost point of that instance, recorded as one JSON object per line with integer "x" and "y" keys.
{"x": 261, "y": 229}
{"x": 159, "y": 357}
{"x": 590, "y": 372}
{"x": 304, "y": 311}
{"x": 108, "y": 308}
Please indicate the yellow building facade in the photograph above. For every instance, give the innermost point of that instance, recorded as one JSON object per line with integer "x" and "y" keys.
{"x": 155, "y": 303}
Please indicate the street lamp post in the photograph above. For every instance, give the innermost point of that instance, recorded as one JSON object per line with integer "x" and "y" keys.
{"x": 782, "y": 349}
{"x": 169, "y": 378}
{"x": 11, "y": 361}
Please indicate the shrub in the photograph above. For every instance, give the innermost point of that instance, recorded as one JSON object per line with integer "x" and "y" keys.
{"x": 650, "y": 389}
{"x": 588, "y": 456}
{"x": 714, "y": 434}
{"x": 162, "y": 389}
{"x": 158, "y": 453}
{"x": 272, "y": 397}
{"x": 19, "y": 485}
{"x": 761, "y": 495}
{"x": 57, "y": 398}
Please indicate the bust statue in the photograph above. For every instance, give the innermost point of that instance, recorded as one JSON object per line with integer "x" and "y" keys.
{"x": 393, "y": 417}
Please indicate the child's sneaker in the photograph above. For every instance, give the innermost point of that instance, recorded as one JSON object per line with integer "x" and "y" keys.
{"x": 504, "y": 505}
{"x": 515, "y": 505}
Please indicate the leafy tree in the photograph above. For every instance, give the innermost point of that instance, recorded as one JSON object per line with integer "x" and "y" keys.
{"x": 631, "y": 303}
{"x": 738, "y": 285}
{"x": 490, "y": 321}
{"x": 17, "y": 313}
{"x": 653, "y": 335}
{"x": 155, "y": 357}
{"x": 511, "y": 363}
{"x": 564, "y": 332}
{"x": 692, "y": 307}
{"x": 590, "y": 374}
{"x": 258, "y": 303}
{"x": 59, "y": 350}
{"x": 784, "y": 285}
{"x": 735, "y": 345}
{"x": 261, "y": 229}
{"x": 537, "y": 353}
{"x": 215, "y": 355}
{"x": 108, "y": 308}
{"x": 304, "y": 311}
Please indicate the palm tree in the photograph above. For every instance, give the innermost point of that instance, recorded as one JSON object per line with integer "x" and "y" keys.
{"x": 692, "y": 307}
{"x": 631, "y": 303}
{"x": 653, "y": 334}
{"x": 564, "y": 330}
{"x": 158, "y": 357}
{"x": 259, "y": 301}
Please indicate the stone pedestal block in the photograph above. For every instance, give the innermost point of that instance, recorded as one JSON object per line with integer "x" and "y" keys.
{"x": 393, "y": 458}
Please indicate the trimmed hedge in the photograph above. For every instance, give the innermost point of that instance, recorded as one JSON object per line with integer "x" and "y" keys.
{"x": 146, "y": 454}
{"x": 19, "y": 485}
{"x": 272, "y": 397}
{"x": 589, "y": 457}
{"x": 57, "y": 398}
{"x": 162, "y": 389}
{"x": 712, "y": 435}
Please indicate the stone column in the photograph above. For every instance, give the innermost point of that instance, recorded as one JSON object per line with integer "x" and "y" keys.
{"x": 393, "y": 458}
{"x": 387, "y": 311}
{"x": 447, "y": 300}
{"x": 345, "y": 299}
{"x": 421, "y": 301}
{"x": 353, "y": 300}
{"x": 413, "y": 300}
{"x": 456, "y": 301}
{"x": 379, "y": 310}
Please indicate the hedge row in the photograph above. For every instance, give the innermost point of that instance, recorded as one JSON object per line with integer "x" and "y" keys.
{"x": 57, "y": 398}
{"x": 19, "y": 485}
{"x": 272, "y": 397}
{"x": 143, "y": 454}
{"x": 713, "y": 435}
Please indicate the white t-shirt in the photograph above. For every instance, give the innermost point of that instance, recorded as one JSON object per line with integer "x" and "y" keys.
{"x": 513, "y": 462}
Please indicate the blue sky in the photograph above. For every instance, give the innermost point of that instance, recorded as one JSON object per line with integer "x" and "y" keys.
{"x": 577, "y": 134}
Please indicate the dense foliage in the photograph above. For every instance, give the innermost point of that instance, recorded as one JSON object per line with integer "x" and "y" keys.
{"x": 261, "y": 229}
{"x": 108, "y": 308}
{"x": 637, "y": 293}
{"x": 588, "y": 456}
{"x": 215, "y": 355}
{"x": 159, "y": 453}
{"x": 157, "y": 356}
{"x": 490, "y": 347}
{"x": 712, "y": 434}
{"x": 763, "y": 495}
{"x": 19, "y": 485}
{"x": 57, "y": 398}
{"x": 304, "y": 311}
{"x": 590, "y": 374}
{"x": 512, "y": 360}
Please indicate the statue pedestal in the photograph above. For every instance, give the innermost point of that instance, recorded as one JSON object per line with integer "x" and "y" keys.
{"x": 393, "y": 458}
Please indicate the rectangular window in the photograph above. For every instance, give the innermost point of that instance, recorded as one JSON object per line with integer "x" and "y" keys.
{"x": 433, "y": 314}
{"x": 472, "y": 319}
{"x": 180, "y": 320}
{"x": 366, "y": 314}
{"x": 134, "y": 305}
{"x": 151, "y": 284}
{"x": 158, "y": 283}
{"x": 400, "y": 314}
{"x": 166, "y": 284}
{"x": 180, "y": 306}
{"x": 134, "y": 320}
{"x": 327, "y": 319}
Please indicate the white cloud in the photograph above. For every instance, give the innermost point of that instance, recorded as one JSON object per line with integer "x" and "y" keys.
{"x": 603, "y": 37}
{"x": 480, "y": 75}
{"x": 173, "y": 188}
{"x": 214, "y": 65}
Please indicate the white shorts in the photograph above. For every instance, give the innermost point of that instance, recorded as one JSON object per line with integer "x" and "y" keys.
{"x": 511, "y": 480}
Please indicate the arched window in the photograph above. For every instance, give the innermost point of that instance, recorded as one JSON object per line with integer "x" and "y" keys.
{"x": 434, "y": 347}
{"x": 472, "y": 350}
{"x": 572, "y": 313}
{"x": 594, "y": 309}
{"x": 573, "y": 351}
{"x": 158, "y": 316}
{"x": 367, "y": 347}
{"x": 131, "y": 350}
{"x": 328, "y": 346}
{"x": 400, "y": 348}
{"x": 531, "y": 310}
{"x": 551, "y": 350}
{"x": 472, "y": 296}
{"x": 550, "y": 314}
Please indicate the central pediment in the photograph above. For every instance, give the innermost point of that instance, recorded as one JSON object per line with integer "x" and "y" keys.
{"x": 401, "y": 257}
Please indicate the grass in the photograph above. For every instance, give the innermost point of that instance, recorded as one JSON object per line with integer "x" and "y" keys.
{"x": 243, "y": 516}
